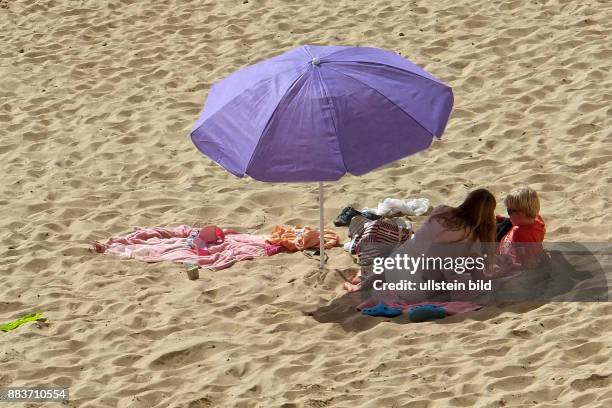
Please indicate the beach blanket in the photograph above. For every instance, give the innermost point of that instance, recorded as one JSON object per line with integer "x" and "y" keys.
{"x": 173, "y": 244}
{"x": 299, "y": 239}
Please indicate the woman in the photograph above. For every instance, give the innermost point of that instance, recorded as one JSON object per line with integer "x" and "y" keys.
{"x": 467, "y": 226}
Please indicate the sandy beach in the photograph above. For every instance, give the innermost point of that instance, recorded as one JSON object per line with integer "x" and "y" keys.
{"x": 97, "y": 100}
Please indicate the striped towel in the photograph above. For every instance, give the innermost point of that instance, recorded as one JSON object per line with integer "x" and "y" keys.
{"x": 373, "y": 239}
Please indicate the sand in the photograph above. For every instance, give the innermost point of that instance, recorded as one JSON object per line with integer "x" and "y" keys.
{"x": 96, "y": 103}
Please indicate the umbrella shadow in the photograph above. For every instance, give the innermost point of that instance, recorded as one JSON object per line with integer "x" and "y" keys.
{"x": 343, "y": 310}
{"x": 573, "y": 274}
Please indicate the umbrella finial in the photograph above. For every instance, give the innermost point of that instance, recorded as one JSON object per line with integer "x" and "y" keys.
{"x": 315, "y": 61}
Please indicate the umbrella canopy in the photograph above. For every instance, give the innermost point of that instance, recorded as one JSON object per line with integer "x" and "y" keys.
{"x": 317, "y": 112}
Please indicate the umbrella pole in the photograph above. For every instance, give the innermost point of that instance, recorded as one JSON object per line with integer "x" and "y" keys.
{"x": 321, "y": 229}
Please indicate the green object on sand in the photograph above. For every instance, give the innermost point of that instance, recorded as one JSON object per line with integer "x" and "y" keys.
{"x": 30, "y": 317}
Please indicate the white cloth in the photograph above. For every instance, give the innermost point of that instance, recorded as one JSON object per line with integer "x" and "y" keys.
{"x": 409, "y": 206}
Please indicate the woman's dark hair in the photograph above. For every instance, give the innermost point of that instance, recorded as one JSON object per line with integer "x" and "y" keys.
{"x": 476, "y": 214}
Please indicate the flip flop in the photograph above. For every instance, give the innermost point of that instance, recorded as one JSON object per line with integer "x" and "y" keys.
{"x": 381, "y": 310}
{"x": 423, "y": 313}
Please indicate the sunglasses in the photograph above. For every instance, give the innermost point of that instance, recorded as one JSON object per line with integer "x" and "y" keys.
{"x": 512, "y": 211}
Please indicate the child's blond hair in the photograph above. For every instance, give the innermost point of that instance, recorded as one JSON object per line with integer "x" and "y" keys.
{"x": 524, "y": 199}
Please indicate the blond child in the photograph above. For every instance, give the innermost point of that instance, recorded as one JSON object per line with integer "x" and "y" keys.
{"x": 521, "y": 240}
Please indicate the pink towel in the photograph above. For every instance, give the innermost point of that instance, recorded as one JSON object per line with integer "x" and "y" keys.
{"x": 170, "y": 244}
{"x": 391, "y": 300}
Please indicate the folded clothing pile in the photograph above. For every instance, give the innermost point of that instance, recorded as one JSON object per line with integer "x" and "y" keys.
{"x": 301, "y": 238}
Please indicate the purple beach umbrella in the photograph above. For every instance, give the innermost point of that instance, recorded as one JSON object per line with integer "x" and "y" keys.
{"x": 317, "y": 112}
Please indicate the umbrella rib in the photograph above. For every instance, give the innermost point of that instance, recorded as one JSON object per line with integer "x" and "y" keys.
{"x": 333, "y": 117}
{"x": 305, "y": 47}
{"x": 405, "y": 71}
{"x": 384, "y": 96}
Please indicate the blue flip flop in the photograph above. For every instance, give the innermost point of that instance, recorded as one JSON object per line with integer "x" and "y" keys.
{"x": 423, "y": 313}
{"x": 381, "y": 310}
